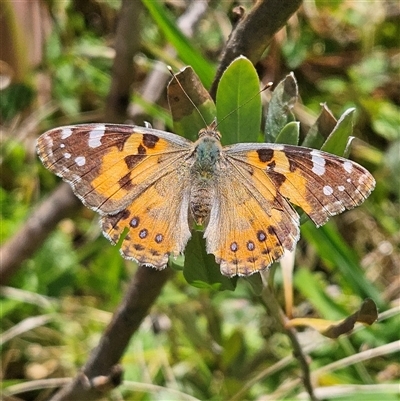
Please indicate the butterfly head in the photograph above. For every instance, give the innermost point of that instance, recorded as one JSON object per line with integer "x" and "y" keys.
{"x": 210, "y": 131}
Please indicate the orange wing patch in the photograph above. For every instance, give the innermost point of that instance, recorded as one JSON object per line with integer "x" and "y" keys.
{"x": 126, "y": 172}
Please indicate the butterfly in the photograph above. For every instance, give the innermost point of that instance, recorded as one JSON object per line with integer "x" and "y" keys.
{"x": 151, "y": 186}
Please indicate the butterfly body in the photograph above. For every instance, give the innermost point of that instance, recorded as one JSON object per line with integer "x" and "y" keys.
{"x": 151, "y": 184}
{"x": 207, "y": 165}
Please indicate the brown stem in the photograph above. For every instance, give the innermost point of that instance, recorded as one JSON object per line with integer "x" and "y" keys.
{"x": 254, "y": 32}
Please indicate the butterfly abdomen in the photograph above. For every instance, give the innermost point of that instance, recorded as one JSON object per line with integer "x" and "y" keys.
{"x": 201, "y": 195}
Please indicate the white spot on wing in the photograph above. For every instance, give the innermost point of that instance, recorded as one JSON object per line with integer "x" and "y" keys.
{"x": 318, "y": 163}
{"x": 65, "y": 133}
{"x": 341, "y": 188}
{"x": 348, "y": 166}
{"x": 327, "y": 190}
{"x": 95, "y": 136}
{"x": 80, "y": 160}
{"x": 67, "y": 155}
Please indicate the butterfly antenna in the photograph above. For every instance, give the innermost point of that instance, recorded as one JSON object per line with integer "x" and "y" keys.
{"x": 264, "y": 88}
{"x": 186, "y": 94}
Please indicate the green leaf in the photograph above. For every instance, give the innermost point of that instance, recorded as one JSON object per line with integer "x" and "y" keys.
{"x": 185, "y": 49}
{"x": 338, "y": 140}
{"x": 280, "y": 107}
{"x": 234, "y": 350}
{"x": 255, "y": 282}
{"x": 200, "y": 268}
{"x": 239, "y": 103}
{"x": 14, "y": 99}
{"x": 289, "y": 134}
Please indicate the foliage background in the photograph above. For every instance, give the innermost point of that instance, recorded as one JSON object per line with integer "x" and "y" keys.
{"x": 197, "y": 342}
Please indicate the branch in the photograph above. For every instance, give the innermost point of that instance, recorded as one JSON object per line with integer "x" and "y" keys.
{"x": 60, "y": 204}
{"x": 254, "y": 32}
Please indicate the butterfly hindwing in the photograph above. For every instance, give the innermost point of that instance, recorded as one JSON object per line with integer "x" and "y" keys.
{"x": 250, "y": 226}
{"x": 156, "y": 221}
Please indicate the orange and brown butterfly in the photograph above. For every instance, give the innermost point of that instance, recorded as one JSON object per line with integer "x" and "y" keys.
{"x": 153, "y": 185}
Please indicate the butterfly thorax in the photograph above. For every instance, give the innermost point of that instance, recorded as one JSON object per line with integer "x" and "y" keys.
{"x": 204, "y": 172}
{"x": 207, "y": 155}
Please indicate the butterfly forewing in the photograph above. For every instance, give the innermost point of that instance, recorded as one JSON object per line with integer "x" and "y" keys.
{"x": 320, "y": 183}
{"x": 110, "y": 165}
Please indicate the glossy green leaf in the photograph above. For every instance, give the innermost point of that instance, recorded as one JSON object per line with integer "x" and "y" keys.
{"x": 239, "y": 103}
